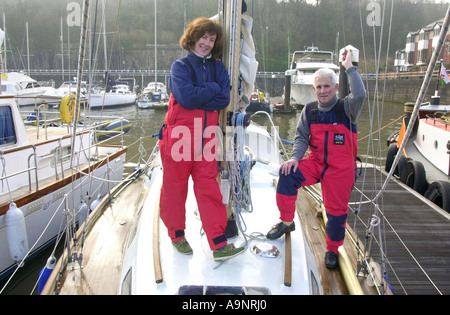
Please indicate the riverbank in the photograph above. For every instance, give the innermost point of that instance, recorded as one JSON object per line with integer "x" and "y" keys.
{"x": 398, "y": 90}
{"x": 407, "y": 90}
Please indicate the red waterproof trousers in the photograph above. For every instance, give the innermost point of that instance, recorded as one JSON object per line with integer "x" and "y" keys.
{"x": 332, "y": 162}
{"x": 188, "y": 145}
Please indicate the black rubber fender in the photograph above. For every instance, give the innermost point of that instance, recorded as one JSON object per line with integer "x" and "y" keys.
{"x": 438, "y": 192}
{"x": 413, "y": 175}
{"x": 392, "y": 151}
{"x": 400, "y": 165}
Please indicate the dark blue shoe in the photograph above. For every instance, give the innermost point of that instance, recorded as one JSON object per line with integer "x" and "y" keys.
{"x": 279, "y": 229}
{"x": 331, "y": 260}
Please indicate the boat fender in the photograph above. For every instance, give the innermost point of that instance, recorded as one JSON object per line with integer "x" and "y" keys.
{"x": 389, "y": 285}
{"x": 413, "y": 175}
{"x": 94, "y": 203}
{"x": 400, "y": 165}
{"x": 16, "y": 233}
{"x": 32, "y": 117}
{"x": 111, "y": 129}
{"x": 439, "y": 193}
{"x": 82, "y": 212}
{"x": 45, "y": 273}
{"x": 390, "y": 157}
{"x": 67, "y": 108}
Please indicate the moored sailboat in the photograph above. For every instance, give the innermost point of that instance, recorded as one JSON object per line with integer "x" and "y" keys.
{"x": 142, "y": 251}
{"x": 47, "y": 169}
{"x": 42, "y": 176}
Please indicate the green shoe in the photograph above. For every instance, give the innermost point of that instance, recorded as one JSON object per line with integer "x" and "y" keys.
{"x": 228, "y": 252}
{"x": 183, "y": 247}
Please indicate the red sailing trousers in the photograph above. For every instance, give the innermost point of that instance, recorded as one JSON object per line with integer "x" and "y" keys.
{"x": 188, "y": 145}
{"x": 332, "y": 162}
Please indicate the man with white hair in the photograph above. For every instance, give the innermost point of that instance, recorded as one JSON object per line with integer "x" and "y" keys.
{"x": 328, "y": 128}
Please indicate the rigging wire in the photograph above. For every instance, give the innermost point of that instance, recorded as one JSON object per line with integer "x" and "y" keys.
{"x": 372, "y": 107}
{"x": 378, "y": 212}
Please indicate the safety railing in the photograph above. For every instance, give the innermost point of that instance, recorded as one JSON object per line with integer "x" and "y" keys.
{"x": 59, "y": 156}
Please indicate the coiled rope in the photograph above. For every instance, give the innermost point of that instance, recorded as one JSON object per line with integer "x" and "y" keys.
{"x": 240, "y": 166}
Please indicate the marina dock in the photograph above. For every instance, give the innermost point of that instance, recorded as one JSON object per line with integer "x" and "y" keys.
{"x": 416, "y": 235}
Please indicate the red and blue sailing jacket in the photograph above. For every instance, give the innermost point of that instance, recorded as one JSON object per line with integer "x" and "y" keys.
{"x": 334, "y": 139}
{"x": 200, "y": 90}
{"x": 200, "y": 87}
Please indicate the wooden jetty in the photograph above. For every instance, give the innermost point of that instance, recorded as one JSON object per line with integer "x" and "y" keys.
{"x": 416, "y": 235}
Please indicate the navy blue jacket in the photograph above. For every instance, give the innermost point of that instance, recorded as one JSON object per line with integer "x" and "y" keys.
{"x": 209, "y": 93}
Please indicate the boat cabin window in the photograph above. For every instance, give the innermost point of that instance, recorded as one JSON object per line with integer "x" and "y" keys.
{"x": 31, "y": 85}
{"x": 10, "y": 88}
{"x": 7, "y": 130}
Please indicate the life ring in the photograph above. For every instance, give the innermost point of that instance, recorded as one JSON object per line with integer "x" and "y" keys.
{"x": 67, "y": 108}
{"x": 413, "y": 175}
{"x": 439, "y": 193}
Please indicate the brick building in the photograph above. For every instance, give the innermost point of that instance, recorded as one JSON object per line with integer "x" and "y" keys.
{"x": 419, "y": 48}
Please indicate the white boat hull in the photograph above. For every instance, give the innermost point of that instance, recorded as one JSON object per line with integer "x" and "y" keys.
{"x": 304, "y": 65}
{"x": 302, "y": 94}
{"x": 44, "y": 211}
{"x": 37, "y": 172}
{"x": 106, "y": 100}
{"x": 147, "y": 104}
{"x": 302, "y": 85}
{"x": 431, "y": 141}
{"x": 249, "y": 272}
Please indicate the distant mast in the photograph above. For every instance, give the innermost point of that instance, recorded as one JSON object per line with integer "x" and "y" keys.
{"x": 156, "y": 56}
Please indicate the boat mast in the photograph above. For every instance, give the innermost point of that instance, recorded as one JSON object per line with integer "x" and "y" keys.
{"x": 81, "y": 55}
{"x": 231, "y": 21}
{"x": 104, "y": 35}
{"x": 1, "y": 41}
{"x": 28, "y": 48}
{"x": 62, "y": 49}
{"x": 232, "y": 46}
{"x": 156, "y": 58}
{"x": 435, "y": 99}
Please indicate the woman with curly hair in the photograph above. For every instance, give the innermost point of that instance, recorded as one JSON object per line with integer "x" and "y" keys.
{"x": 200, "y": 88}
